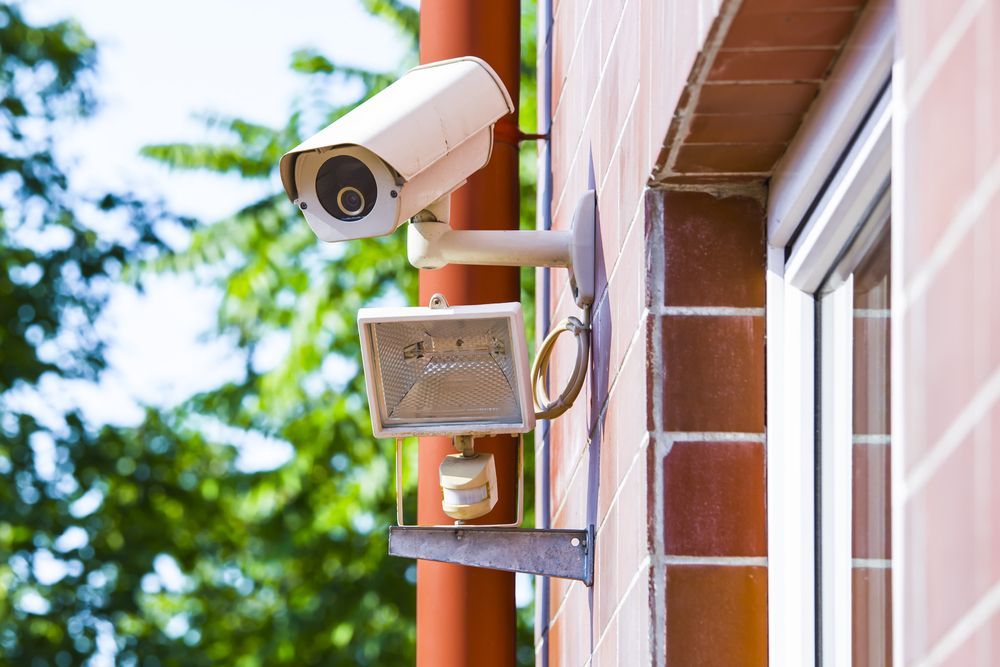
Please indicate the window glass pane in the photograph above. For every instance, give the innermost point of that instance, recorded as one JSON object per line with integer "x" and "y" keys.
{"x": 871, "y": 548}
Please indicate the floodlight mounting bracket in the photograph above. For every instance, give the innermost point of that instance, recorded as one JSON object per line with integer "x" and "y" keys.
{"x": 567, "y": 554}
{"x": 432, "y": 243}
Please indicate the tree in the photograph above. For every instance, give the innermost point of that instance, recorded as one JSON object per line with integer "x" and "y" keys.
{"x": 173, "y": 554}
{"x": 55, "y": 271}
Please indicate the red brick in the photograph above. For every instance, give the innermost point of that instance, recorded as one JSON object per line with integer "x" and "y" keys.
{"x": 871, "y": 615}
{"x": 728, "y": 158}
{"x": 714, "y": 250}
{"x": 783, "y": 65}
{"x": 743, "y": 129}
{"x": 799, "y": 5}
{"x": 762, "y": 29}
{"x": 872, "y": 387}
{"x": 714, "y": 374}
{"x": 871, "y": 509}
{"x": 714, "y": 499}
{"x": 713, "y": 179}
{"x": 716, "y": 616}
{"x": 763, "y": 98}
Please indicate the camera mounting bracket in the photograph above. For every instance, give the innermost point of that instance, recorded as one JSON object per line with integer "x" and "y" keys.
{"x": 432, "y": 243}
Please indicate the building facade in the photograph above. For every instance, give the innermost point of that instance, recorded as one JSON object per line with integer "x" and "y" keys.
{"x": 788, "y": 443}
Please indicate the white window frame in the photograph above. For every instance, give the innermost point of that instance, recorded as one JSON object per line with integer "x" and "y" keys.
{"x": 833, "y": 176}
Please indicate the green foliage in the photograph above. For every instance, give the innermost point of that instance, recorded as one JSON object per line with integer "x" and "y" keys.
{"x": 279, "y": 567}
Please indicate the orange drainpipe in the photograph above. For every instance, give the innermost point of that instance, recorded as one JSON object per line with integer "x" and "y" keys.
{"x": 466, "y": 615}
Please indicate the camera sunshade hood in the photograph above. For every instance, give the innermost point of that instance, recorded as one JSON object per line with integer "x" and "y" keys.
{"x": 426, "y": 114}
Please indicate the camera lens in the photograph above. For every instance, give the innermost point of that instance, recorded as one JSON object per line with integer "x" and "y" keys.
{"x": 350, "y": 200}
{"x": 346, "y": 188}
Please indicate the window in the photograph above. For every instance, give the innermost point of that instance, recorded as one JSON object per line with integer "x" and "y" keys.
{"x": 852, "y": 451}
{"x": 828, "y": 370}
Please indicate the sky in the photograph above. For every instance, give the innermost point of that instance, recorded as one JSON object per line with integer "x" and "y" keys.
{"x": 162, "y": 68}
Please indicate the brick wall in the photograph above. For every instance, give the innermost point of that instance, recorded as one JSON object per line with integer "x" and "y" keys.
{"x": 675, "y": 111}
{"x": 707, "y": 370}
{"x": 947, "y": 324}
{"x": 619, "y": 71}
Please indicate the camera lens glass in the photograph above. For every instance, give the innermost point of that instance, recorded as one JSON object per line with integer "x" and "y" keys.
{"x": 346, "y": 188}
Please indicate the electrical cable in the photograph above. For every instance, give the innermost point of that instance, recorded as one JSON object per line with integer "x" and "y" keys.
{"x": 546, "y": 408}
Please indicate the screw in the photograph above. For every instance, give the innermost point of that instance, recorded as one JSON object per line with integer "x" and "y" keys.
{"x": 393, "y": 194}
{"x": 303, "y": 206}
{"x": 575, "y": 541}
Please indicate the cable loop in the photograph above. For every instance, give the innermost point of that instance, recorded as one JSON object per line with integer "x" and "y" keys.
{"x": 546, "y": 408}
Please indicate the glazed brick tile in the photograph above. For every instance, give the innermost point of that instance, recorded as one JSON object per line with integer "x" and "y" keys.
{"x": 714, "y": 250}
{"x": 716, "y": 616}
{"x": 753, "y": 28}
{"x": 633, "y": 625}
{"x": 941, "y": 561}
{"x": 940, "y": 166}
{"x": 728, "y": 158}
{"x": 606, "y": 653}
{"x": 634, "y": 526}
{"x": 871, "y": 617}
{"x": 784, "y": 65}
{"x": 763, "y": 98}
{"x": 605, "y": 572}
{"x": 714, "y": 499}
{"x": 953, "y": 373}
{"x": 714, "y": 374}
{"x": 992, "y": 518}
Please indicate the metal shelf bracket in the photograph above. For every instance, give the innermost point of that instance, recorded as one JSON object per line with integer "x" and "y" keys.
{"x": 568, "y": 554}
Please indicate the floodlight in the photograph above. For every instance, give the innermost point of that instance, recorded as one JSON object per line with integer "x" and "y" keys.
{"x": 442, "y": 370}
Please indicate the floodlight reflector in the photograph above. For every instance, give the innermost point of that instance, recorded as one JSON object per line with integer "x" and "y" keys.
{"x": 446, "y": 371}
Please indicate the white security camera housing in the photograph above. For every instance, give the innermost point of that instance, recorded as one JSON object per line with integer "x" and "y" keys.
{"x": 398, "y": 152}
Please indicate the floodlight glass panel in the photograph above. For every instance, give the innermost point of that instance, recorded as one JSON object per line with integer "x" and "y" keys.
{"x": 447, "y": 371}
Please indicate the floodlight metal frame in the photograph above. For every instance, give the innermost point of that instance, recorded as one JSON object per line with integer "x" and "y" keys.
{"x": 401, "y": 519}
{"x": 519, "y": 355}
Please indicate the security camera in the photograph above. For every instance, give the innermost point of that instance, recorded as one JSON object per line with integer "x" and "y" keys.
{"x": 397, "y": 153}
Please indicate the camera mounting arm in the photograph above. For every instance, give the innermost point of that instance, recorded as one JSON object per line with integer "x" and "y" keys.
{"x": 432, "y": 243}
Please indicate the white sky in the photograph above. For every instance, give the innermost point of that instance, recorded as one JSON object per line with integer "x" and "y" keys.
{"x": 160, "y": 65}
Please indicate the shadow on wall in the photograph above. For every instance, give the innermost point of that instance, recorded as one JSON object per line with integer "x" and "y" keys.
{"x": 600, "y": 362}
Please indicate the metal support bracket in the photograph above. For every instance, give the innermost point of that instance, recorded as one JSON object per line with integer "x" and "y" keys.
{"x": 568, "y": 554}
